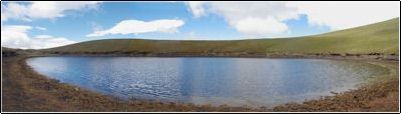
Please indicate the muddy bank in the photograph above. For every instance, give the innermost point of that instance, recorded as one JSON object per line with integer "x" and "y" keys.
{"x": 364, "y": 56}
{"x": 26, "y": 90}
{"x": 379, "y": 94}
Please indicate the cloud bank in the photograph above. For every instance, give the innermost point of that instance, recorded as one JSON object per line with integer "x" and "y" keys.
{"x": 138, "y": 27}
{"x": 16, "y": 36}
{"x": 42, "y": 9}
{"x": 259, "y": 18}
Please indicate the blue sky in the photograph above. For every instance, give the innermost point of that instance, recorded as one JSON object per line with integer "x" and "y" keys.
{"x": 50, "y": 24}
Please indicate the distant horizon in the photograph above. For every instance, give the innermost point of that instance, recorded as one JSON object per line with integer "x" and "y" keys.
{"x": 39, "y": 25}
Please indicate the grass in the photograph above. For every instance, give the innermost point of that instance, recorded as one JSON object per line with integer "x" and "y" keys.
{"x": 380, "y": 38}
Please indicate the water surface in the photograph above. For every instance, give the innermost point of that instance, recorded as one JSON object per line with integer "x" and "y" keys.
{"x": 201, "y": 80}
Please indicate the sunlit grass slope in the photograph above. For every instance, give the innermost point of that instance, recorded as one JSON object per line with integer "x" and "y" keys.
{"x": 380, "y": 37}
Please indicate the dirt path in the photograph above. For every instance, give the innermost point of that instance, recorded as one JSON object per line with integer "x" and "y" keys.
{"x": 25, "y": 90}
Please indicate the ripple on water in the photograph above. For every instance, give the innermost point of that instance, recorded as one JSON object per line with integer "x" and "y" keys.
{"x": 216, "y": 81}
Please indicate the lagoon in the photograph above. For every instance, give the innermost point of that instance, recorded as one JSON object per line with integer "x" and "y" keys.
{"x": 209, "y": 80}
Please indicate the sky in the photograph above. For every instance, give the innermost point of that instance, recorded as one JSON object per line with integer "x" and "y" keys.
{"x": 46, "y": 24}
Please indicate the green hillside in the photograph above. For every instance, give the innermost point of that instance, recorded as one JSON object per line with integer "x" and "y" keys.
{"x": 380, "y": 37}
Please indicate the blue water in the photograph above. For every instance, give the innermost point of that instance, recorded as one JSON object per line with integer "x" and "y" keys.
{"x": 201, "y": 80}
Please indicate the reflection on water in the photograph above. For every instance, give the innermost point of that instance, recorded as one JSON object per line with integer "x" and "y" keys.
{"x": 232, "y": 81}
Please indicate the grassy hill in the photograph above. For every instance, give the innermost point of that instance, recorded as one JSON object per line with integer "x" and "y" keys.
{"x": 380, "y": 37}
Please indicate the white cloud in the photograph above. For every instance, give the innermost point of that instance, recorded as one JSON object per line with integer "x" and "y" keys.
{"x": 346, "y": 14}
{"x": 42, "y": 9}
{"x": 47, "y": 41}
{"x": 14, "y": 11}
{"x": 257, "y": 26}
{"x": 16, "y": 36}
{"x": 137, "y": 27}
{"x": 43, "y": 36}
{"x": 196, "y": 8}
{"x": 40, "y": 28}
{"x": 267, "y": 18}
{"x": 250, "y": 18}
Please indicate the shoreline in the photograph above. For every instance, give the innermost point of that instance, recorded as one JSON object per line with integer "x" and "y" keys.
{"x": 47, "y": 86}
{"x": 333, "y": 56}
